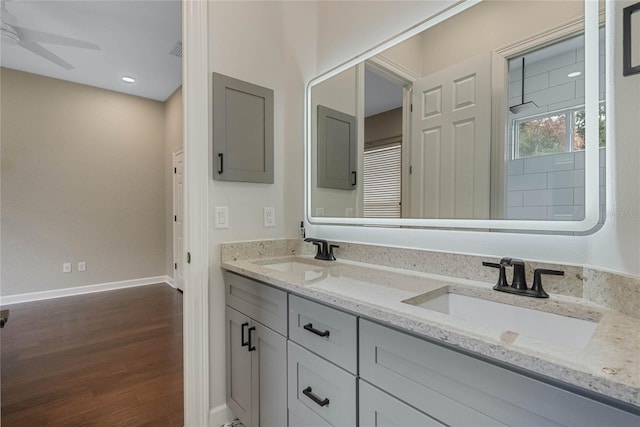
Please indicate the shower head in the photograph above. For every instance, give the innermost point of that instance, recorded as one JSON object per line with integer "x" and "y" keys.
{"x": 523, "y": 106}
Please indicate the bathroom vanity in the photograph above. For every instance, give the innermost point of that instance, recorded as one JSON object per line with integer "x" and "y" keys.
{"x": 345, "y": 343}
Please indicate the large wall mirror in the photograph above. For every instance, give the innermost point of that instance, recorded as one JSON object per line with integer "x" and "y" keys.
{"x": 489, "y": 116}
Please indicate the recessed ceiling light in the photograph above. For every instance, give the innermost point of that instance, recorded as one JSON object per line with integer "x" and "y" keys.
{"x": 574, "y": 74}
{"x": 128, "y": 79}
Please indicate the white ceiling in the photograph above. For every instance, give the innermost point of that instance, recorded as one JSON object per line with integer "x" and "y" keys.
{"x": 380, "y": 94}
{"x": 135, "y": 39}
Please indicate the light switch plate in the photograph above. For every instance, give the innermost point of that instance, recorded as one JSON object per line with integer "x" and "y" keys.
{"x": 270, "y": 217}
{"x": 221, "y": 217}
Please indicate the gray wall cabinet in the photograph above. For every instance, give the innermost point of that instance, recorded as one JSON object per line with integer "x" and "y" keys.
{"x": 337, "y": 149}
{"x": 242, "y": 131}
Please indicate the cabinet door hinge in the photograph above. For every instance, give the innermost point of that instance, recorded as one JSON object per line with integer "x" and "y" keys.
{"x": 175, "y": 218}
{"x": 188, "y": 257}
{"x": 411, "y": 108}
{"x": 175, "y": 170}
{"x": 175, "y": 266}
{"x": 410, "y": 170}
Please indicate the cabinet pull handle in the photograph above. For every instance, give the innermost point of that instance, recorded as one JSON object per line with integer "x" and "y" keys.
{"x": 354, "y": 177}
{"x": 251, "y": 346}
{"x": 320, "y": 402}
{"x": 242, "y": 340}
{"x": 309, "y": 327}
{"x": 221, "y": 156}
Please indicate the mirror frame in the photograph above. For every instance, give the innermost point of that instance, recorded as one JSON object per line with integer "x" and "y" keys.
{"x": 592, "y": 197}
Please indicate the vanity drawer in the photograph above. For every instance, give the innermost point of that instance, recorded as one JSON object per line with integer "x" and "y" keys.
{"x": 378, "y": 409}
{"x": 326, "y": 331}
{"x": 257, "y": 300}
{"x": 458, "y": 389}
{"x": 319, "y": 393}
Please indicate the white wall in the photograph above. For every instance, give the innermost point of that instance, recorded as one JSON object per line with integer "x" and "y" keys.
{"x": 271, "y": 44}
{"x": 82, "y": 180}
{"x": 617, "y": 245}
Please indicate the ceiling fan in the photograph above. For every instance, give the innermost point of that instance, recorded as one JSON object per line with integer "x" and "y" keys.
{"x": 30, "y": 40}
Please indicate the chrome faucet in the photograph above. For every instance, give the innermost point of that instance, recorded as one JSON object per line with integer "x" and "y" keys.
{"x": 325, "y": 250}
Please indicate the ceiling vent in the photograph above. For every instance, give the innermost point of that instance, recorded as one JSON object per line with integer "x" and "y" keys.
{"x": 177, "y": 50}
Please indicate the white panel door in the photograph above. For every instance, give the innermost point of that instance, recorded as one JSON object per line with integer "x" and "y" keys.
{"x": 178, "y": 209}
{"x": 450, "y": 148}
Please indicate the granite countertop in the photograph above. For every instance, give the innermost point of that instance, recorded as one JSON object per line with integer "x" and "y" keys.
{"x": 609, "y": 364}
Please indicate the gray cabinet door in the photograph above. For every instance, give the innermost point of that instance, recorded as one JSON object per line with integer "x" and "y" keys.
{"x": 378, "y": 409}
{"x": 242, "y": 131}
{"x": 337, "y": 149}
{"x": 269, "y": 370}
{"x": 239, "y": 394}
{"x": 326, "y": 331}
{"x": 319, "y": 393}
{"x": 458, "y": 389}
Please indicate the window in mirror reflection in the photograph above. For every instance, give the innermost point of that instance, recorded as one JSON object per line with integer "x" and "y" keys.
{"x": 547, "y": 132}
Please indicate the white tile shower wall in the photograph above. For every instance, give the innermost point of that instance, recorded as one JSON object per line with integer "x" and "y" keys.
{"x": 548, "y": 85}
{"x": 550, "y": 187}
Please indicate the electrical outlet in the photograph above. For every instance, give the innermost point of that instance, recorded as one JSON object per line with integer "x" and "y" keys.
{"x": 66, "y": 267}
{"x": 269, "y": 217}
{"x": 221, "y": 217}
{"x": 82, "y": 266}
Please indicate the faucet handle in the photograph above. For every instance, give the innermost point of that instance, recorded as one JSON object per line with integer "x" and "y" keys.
{"x": 502, "y": 278}
{"x": 330, "y": 255}
{"x": 537, "y": 280}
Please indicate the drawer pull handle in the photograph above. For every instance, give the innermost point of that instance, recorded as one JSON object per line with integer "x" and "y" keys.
{"x": 251, "y": 346}
{"x": 309, "y": 327}
{"x": 242, "y": 329}
{"x": 320, "y": 402}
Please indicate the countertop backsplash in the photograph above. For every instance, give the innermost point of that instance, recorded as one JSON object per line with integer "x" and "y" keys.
{"x": 614, "y": 291}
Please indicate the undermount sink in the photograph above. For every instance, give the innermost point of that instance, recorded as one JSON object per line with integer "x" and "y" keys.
{"x": 548, "y": 327}
{"x": 307, "y": 271}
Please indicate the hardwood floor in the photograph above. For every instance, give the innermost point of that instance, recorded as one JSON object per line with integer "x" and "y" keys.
{"x": 103, "y": 359}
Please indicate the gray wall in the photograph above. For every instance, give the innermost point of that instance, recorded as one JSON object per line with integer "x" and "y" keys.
{"x": 82, "y": 180}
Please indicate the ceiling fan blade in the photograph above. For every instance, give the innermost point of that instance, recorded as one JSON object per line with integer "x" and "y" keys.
{"x": 45, "y": 53}
{"x": 42, "y": 37}
{"x": 5, "y": 14}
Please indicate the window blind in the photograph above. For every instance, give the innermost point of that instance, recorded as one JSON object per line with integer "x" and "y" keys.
{"x": 382, "y": 182}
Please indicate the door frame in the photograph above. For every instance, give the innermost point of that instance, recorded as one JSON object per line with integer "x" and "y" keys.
{"x": 404, "y": 77}
{"x": 196, "y": 228}
{"x": 177, "y": 259}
